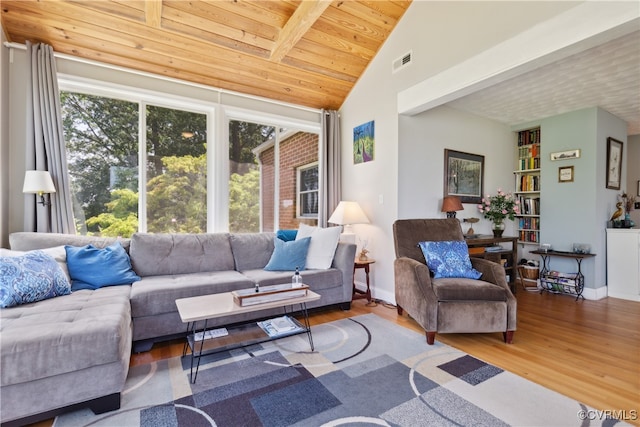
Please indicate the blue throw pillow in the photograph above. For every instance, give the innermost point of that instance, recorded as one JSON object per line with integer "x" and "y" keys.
{"x": 287, "y": 256}
{"x": 449, "y": 259}
{"x": 34, "y": 276}
{"x": 286, "y": 235}
{"x": 93, "y": 268}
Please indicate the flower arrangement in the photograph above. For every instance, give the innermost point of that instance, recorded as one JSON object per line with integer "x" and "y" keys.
{"x": 498, "y": 207}
{"x": 627, "y": 202}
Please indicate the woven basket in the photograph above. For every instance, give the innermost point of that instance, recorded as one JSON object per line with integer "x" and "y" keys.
{"x": 527, "y": 272}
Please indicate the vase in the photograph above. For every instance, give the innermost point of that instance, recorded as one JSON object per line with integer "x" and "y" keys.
{"x": 498, "y": 228}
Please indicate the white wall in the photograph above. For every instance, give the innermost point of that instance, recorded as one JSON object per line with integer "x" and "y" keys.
{"x": 421, "y": 144}
{"x": 439, "y": 34}
{"x": 4, "y": 142}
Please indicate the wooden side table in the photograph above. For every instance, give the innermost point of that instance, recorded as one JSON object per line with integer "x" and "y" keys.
{"x": 357, "y": 293}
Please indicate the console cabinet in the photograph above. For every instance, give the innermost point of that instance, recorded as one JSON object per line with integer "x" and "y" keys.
{"x": 623, "y": 263}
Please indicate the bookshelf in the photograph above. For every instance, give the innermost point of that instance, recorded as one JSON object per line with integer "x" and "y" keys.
{"x": 527, "y": 185}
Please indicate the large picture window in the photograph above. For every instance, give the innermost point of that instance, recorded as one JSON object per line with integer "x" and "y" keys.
{"x": 152, "y": 162}
{"x": 244, "y": 175}
{"x": 103, "y": 149}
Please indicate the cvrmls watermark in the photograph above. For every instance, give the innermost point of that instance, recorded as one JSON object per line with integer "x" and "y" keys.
{"x": 618, "y": 414}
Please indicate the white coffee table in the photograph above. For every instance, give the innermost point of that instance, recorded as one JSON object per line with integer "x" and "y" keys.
{"x": 208, "y": 307}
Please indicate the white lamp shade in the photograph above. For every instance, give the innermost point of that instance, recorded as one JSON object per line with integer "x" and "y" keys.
{"x": 348, "y": 213}
{"x": 38, "y": 182}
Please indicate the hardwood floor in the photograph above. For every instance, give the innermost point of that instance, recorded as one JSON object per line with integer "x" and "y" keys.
{"x": 587, "y": 350}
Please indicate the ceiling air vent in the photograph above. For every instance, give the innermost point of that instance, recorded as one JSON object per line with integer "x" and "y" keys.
{"x": 402, "y": 62}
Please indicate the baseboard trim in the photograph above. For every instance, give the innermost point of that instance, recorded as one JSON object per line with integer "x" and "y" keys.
{"x": 595, "y": 293}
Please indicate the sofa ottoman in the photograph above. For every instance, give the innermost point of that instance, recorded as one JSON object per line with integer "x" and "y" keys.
{"x": 67, "y": 350}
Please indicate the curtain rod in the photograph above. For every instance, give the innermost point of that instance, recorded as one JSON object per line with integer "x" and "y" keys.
{"x": 13, "y": 45}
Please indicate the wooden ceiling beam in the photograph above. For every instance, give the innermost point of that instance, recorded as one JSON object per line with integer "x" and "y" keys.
{"x": 153, "y": 13}
{"x": 297, "y": 26}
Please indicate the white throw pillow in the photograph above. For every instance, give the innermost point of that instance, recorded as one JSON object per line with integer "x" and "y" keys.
{"x": 322, "y": 248}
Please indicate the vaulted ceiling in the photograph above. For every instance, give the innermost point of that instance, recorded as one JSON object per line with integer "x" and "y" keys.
{"x": 308, "y": 52}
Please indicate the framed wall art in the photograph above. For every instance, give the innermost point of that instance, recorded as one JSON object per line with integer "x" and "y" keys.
{"x": 565, "y": 174}
{"x": 463, "y": 176}
{"x": 565, "y": 155}
{"x": 614, "y": 163}
{"x": 363, "y": 142}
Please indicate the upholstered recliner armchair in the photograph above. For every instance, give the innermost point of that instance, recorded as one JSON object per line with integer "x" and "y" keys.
{"x": 449, "y": 305}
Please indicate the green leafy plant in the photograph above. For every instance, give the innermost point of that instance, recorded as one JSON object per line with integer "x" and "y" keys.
{"x": 497, "y": 208}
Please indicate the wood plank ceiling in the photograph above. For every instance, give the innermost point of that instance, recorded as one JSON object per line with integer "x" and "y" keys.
{"x": 308, "y": 52}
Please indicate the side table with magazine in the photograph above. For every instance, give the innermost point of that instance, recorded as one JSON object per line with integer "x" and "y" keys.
{"x": 203, "y": 340}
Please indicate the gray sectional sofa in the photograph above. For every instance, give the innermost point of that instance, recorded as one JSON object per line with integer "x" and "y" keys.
{"x": 73, "y": 351}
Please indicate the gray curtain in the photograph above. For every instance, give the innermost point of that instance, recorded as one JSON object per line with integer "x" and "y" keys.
{"x": 330, "y": 173}
{"x": 45, "y": 143}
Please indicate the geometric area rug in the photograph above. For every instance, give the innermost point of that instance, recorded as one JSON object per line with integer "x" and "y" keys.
{"x": 364, "y": 371}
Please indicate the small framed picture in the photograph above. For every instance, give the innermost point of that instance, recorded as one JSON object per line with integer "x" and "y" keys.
{"x": 565, "y": 155}
{"x": 565, "y": 174}
{"x": 614, "y": 163}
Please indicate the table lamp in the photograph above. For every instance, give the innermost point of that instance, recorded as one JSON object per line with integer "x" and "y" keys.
{"x": 346, "y": 214}
{"x": 451, "y": 204}
{"x": 40, "y": 183}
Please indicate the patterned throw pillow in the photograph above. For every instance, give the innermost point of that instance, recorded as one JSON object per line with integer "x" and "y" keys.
{"x": 449, "y": 259}
{"x": 34, "y": 276}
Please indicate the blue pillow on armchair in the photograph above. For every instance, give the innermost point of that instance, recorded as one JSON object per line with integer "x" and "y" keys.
{"x": 93, "y": 268}
{"x": 449, "y": 259}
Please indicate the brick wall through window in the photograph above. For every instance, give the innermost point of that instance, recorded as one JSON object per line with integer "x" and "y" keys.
{"x": 298, "y": 150}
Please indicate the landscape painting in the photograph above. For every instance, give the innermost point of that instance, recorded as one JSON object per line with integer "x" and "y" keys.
{"x": 363, "y": 142}
{"x": 463, "y": 176}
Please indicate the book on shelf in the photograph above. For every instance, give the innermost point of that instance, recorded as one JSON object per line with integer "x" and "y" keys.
{"x": 529, "y": 223}
{"x": 530, "y": 136}
{"x": 528, "y": 183}
{"x": 529, "y": 163}
{"x": 279, "y": 326}
{"x": 529, "y": 205}
{"x": 530, "y": 236}
{"x": 495, "y": 248}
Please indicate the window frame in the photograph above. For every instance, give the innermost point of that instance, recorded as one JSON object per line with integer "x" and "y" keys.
{"x": 219, "y": 111}
{"x": 299, "y": 192}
